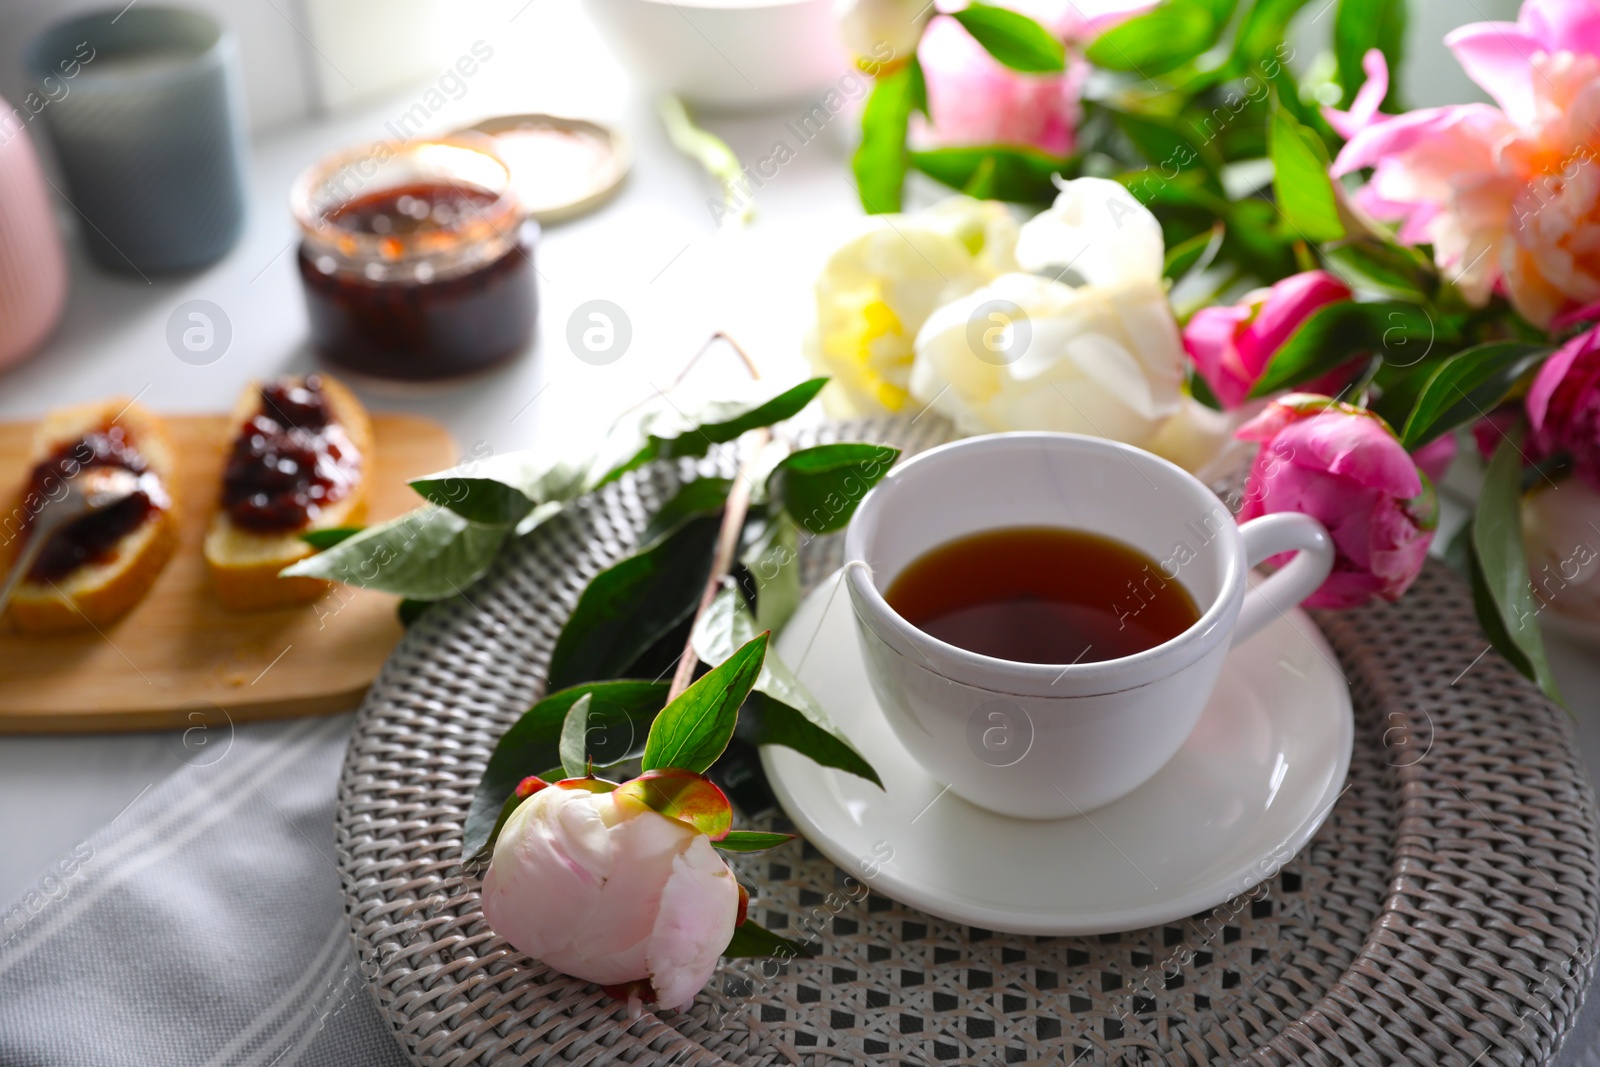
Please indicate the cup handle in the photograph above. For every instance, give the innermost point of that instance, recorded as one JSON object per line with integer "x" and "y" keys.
{"x": 1265, "y": 537}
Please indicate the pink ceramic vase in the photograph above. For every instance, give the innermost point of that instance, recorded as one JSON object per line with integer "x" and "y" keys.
{"x": 33, "y": 264}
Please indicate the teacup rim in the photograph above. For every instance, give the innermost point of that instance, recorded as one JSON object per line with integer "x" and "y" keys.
{"x": 1101, "y": 676}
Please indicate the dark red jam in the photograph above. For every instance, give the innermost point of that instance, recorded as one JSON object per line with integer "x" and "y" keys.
{"x": 289, "y": 460}
{"x": 93, "y": 538}
{"x": 408, "y": 209}
{"x": 435, "y": 324}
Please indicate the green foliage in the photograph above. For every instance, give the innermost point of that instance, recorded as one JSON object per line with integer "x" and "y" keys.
{"x": 1161, "y": 40}
{"x": 781, "y": 711}
{"x": 1013, "y": 39}
{"x": 1502, "y": 593}
{"x": 821, "y": 487}
{"x": 629, "y": 606}
{"x": 1304, "y": 192}
{"x": 427, "y": 554}
{"x": 880, "y": 160}
{"x": 615, "y": 727}
{"x": 1263, "y": 29}
{"x": 752, "y": 841}
{"x": 1337, "y": 333}
{"x": 693, "y": 437}
{"x": 750, "y": 940}
{"x": 691, "y": 732}
{"x": 327, "y": 538}
{"x": 1361, "y": 25}
{"x": 573, "y": 746}
{"x": 997, "y": 172}
{"x": 1467, "y": 385}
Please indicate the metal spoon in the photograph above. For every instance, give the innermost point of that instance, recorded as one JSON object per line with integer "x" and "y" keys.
{"x": 92, "y": 490}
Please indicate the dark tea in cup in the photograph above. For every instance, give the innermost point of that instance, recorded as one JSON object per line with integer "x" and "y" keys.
{"x": 1042, "y": 594}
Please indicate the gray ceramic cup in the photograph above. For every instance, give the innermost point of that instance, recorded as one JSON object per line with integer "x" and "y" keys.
{"x": 146, "y": 117}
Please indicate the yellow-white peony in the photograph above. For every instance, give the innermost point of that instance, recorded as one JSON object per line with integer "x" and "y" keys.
{"x": 880, "y": 287}
{"x": 1029, "y": 351}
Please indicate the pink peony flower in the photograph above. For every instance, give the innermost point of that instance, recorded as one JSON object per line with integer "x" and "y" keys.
{"x": 1489, "y": 431}
{"x": 974, "y": 100}
{"x": 1509, "y": 196}
{"x": 1435, "y": 457}
{"x": 1343, "y": 466}
{"x": 1563, "y": 406}
{"x": 1232, "y": 345}
{"x": 603, "y": 888}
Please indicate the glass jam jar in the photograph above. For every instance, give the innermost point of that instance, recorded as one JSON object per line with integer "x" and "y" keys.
{"x": 416, "y": 259}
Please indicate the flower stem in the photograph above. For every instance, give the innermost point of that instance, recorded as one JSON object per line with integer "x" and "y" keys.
{"x": 733, "y": 516}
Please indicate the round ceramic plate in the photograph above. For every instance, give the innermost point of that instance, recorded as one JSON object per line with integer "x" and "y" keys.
{"x": 1250, "y": 786}
{"x": 560, "y": 167}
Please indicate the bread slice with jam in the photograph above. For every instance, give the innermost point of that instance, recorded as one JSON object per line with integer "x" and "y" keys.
{"x": 298, "y": 462}
{"x": 93, "y": 571}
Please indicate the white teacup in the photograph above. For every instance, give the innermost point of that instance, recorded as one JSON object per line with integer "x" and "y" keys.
{"x": 1042, "y": 741}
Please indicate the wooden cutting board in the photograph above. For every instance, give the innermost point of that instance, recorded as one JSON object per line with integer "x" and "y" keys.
{"x": 178, "y": 658}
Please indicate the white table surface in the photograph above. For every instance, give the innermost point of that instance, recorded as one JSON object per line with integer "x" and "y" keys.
{"x": 654, "y": 250}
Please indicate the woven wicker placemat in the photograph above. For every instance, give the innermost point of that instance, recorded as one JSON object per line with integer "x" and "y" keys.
{"x": 1446, "y": 913}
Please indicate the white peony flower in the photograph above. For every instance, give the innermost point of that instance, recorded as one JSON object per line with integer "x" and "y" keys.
{"x": 1032, "y": 352}
{"x": 881, "y": 33}
{"x": 878, "y": 289}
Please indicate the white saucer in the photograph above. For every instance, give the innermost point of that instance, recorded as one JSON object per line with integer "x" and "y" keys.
{"x": 1251, "y": 785}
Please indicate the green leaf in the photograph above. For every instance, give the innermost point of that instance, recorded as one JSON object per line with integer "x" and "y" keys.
{"x": 1467, "y": 386}
{"x": 1398, "y": 388}
{"x": 683, "y": 795}
{"x": 1184, "y": 256}
{"x": 1489, "y": 614}
{"x": 821, "y": 487}
{"x": 752, "y": 841}
{"x": 409, "y": 611}
{"x": 719, "y": 424}
{"x": 327, "y": 538}
{"x": 981, "y": 185}
{"x": 618, "y": 719}
{"x": 781, "y": 711}
{"x": 1200, "y": 389}
{"x": 1020, "y": 175}
{"x": 1165, "y": 144}
{"x": 1386, "y": 268}
{"x": 750, "y": 941}
{"x": 504, "y": 488}
{"x": 629, "y": 606}
{"x": 426, "y": 554}
{"x": 691, "y": 732}
{"x": 1361, "y": 25}
{"x": 694, "y": 499}
{"x": 1300, "y": 181}
{"x": 1263, "y": 29}
{"x": 1160, "y": 40}
{"x": 574, "y": 743}
{"x": 1337, "y": 333}
{"x": 486, "y": 849}
{"x": 919, "y": 85}
{"x": 1508, "y": 607}
{"x": 773, "y": 563}
{"x": 1014, "y": 39}
{"x": 879, "y": 162}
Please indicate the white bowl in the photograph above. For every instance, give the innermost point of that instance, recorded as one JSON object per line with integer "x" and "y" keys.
{"x": 734, "y": 54}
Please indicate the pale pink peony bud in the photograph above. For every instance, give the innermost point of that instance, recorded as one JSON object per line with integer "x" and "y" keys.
{"x": 601, "y": 887}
